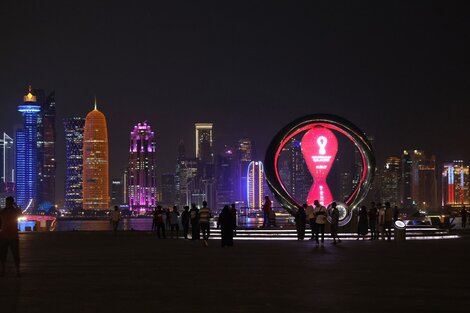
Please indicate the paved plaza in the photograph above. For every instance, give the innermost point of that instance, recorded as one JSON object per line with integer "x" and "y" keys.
{"x": 136, "y": 272}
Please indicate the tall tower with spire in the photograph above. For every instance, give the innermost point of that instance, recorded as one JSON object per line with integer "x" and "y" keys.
{"x": 26, "y": 153}
{"x": 95, "y": 162}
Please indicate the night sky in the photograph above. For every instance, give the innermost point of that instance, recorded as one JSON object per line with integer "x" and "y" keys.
{"x": 400, "y": 71}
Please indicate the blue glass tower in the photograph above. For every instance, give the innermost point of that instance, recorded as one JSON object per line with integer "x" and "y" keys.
{"x": 26, "y": 153}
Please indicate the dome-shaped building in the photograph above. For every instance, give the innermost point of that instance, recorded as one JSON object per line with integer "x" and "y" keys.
{"x": 95, "y": 162}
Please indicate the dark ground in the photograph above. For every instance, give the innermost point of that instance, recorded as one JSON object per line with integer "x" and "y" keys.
{"x": 136, "y": 272}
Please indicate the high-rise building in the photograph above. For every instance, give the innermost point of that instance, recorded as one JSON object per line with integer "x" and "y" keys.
{"x": 390, "y": 181}
{"x": 185, "y": 177}
{"x": 456, "y": 184}
{"x": 117, "y": 192}
{"x": 7, "y": 164}
{"x": 228, "y": 177}
{"x": 168, "y": 189}
{"x": 255, "y": 185}
{"x": 26, "y": 153}
{"x": 345, "y": 185}
{"x": 46, "y": 148}
{"x": 418, "y": 180}
{"x": 300, "y": 178}
{"x": 245, "y": 156}
{"x": 204, "y": 142}
{"x": 142, "y": 169}
{"x": 74, "y": 129}
{"x": 95, "y": 162}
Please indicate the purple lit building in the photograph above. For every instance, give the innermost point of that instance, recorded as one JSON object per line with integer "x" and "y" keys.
{"x": 142, "y": 174}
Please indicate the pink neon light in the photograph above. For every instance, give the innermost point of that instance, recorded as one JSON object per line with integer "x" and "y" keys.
{"x": 304, "y": 129}
{"x": 319, "y": 147}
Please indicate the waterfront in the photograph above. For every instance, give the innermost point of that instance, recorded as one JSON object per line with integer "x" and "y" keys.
{"x": 136, "y": 272}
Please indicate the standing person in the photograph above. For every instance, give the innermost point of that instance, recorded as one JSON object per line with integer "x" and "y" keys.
{"x": 396, "y": 213}
{"x": 154, "y": 220}
{"x": 174, "y": 221}
{"x": 311, "y": 220}
{"x": 204, "y": 222}
{"x": 362, "y": 226}
{"x": 381, "y": 220}
{"x": 227, "y": 225}
{"x": 463, "y": 213}
{"x": 167, "y": 218}
{"x": 233, "y": 211}
{"x": 334, "y": 223}
{"x": 300, "y": 219}
{"x": 320, "y": 220}
{"x": 373, "y": 221}
{"x": 267, "y": 207}
{"x": 115, "y": 218}
{"x": 9, "y": 234}
{"x": 160, "y": 221}
{"x": 185, "y": 218}
{"x": 194, "y": 215}
{"x": 388, "y": 221}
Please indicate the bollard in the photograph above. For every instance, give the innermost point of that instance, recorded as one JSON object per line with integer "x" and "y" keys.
{"x": 399, "y": 230}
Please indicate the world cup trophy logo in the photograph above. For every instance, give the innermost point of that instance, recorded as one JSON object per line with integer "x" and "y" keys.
{"x": 319, "y": 148}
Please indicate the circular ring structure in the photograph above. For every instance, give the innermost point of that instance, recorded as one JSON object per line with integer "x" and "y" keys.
{"x": 345, "y": 213}
{"x": 304, "y": 124}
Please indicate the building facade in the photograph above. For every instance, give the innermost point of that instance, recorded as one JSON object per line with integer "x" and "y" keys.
{"x": 7, "y": 164}
{"x": 456, "y": 184}
{"x": 74, "y": 131}
{"x": 26, "y": 153}
{"x": 255, "y": 185}
{"x": 142, "y": 170}
{"x": 390, "y": 181}
{"x": 95, "y": 162}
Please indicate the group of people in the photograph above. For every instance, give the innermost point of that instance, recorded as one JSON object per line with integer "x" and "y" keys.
{"x": 198, "y": 220}
{"x": 377, "y": 218}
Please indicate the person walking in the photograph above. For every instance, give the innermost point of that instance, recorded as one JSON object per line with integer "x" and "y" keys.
{"x": 300, "y": 219}
{"x": 115, "y": 218}
{"x": 320, "y": 220}
{"x": 463, "y": 214}
{"x": 373, "y": 221}
{"x": 174, "y": 221}
{"x": 160, "y": 222}
{"x": 185, "y": 218}
{"x": 388, "y": 221}
{"x": 267, "y": 207}
{"x": 362, "y": 226}
{"x": 233, "y": 211}
{"x": 334, "y": 223}
{"x": 204, "y": 222}
{"x": 310, "y": 216}
{"x": 194, "y": 216}
{"x": 226, "y": 222}
{"x": 9, "y": 234}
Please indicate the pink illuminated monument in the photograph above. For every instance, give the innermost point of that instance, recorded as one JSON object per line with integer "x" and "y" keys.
{"x": 319, "y": 147}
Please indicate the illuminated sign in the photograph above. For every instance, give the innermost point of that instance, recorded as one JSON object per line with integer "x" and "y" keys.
{"x": 319, "y": 147}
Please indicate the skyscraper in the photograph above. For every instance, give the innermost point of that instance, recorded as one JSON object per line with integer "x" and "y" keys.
{"x": 142, "y": 169}
{"x": 204, "y": 142}
{"x": 7, "y": 164}
{"x": 186, "y": 171}
{"x": 117, "y": 192}
{"x": 168, "y": 189}
{"x": 95, "y": 162}
{"x": 228, "y": 177}
{"x": 390, "y": 181}
{"x": 418, "y": 180}
{"x": 245, "y": 156}
{"x": 74, "y": 129}
{"x": 46, "y": 147}
{"x": 26, "y": 153}
{"x": 456, "y": 184}
{"x": 255, "y": 185}
{"x": 300, "y": 178}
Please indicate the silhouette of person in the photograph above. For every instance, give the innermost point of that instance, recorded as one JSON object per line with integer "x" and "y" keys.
{"x": 227, "y": 225}
{"x": 300, "y": 220}
{"x": 185, "y": 221}
{"x": 9, "y": 234}
{"x": 334, "y": 223}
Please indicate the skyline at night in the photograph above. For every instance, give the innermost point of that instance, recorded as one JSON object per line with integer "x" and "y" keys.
{"x": 397, "y": 71}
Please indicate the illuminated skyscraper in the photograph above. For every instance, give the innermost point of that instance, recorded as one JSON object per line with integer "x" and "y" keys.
{"x": 456, "y": 184}
{"x": 255, "y": 184}
{"x": 390, "y": 181}
{"x": 142, "y": 169}
{"x": 204, "y": 142}
{"x": 95, "y": 162}
{"x": 245, "y": 156}
{"x": 418, "y": 180}
{"x": 7, "y": 164}
{"x": 26, "y": 153}
{"x": 185, "y": 178}
{"x": 74, "y": 128}
{"x": 300, "y": 178}
{"x": 46, "y": 147}
{"x": 227, "y": 177}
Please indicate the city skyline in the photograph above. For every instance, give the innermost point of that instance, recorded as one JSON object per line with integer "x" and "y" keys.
{"x": 399, "y": 73}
